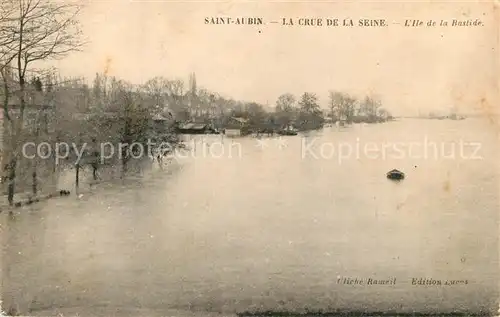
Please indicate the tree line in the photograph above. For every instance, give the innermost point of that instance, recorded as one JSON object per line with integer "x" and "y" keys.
{"x": 341, "y": 107}
{"x": 188, "y": 102}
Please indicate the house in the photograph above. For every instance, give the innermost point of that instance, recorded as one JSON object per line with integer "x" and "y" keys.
{"x": 236, "y": 126}
{"x": 195, "y": 128}
{"x": 161, "y": 123}
{"x": 162, "y": 127}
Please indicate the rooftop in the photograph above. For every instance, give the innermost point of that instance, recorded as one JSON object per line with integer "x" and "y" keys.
{"x": 193, "y": 126}
{"x": 160, "y": 117}
{"x": 240, "y": 120}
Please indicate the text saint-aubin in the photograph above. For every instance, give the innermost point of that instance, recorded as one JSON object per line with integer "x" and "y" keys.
{"x": 238, "y": 20}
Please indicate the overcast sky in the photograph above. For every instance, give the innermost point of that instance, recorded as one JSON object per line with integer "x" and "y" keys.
{"x": 409, "y": 68}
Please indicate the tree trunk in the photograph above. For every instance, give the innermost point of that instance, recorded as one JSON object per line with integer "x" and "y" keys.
{"x": 126, "y": 137}
{"x": 124, "y": 165}
{"x": 34, "y": 185}
{"x": 11, "y": 177}
{"x": 77, "y": 176}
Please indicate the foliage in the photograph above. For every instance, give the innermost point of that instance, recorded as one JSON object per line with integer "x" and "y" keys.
{"x": 285, "y": 103}
{"x": 310, "y": 115}
{"x": 309, "y": 103}
{"x": 286, "y": 110}
{"x": 342, "y": 106}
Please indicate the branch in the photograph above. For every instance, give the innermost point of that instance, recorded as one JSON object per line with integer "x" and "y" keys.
{"x": 38, "y": 30}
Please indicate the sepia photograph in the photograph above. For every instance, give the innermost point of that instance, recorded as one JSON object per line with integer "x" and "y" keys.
{"x": 249, "y": 158}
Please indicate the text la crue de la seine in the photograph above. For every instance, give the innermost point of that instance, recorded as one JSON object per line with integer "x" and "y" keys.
{"x": 286, "y": 21}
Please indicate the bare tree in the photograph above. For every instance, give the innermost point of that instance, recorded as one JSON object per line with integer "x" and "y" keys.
{"x": 309, "y": 103}
{"x": 7, "y": 38}
{"x": 342, "y": 105}
{"x": 285, "y": 102}
{"x": 32, "y": 31}
{"x": 334, "y": 103}
{"x": 369, "y": 107}
{"x": 133, "y": 120}
{"x": 176, "y": 87}
{"x": 176, "y": 96}
{"x": 204, "y": 101}
{"x": 99, "y": 91}
{"x": 158, "y": 89}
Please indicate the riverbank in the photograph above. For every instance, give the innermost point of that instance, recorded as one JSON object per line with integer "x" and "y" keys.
{"x": 66, "y": 182}
{"x": 30, "y": 199}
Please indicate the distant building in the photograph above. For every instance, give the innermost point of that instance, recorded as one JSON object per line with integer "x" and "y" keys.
{"x": 195, "y": 128}
{"x": 236, "y": 126}
{"x": 162, "y": 123}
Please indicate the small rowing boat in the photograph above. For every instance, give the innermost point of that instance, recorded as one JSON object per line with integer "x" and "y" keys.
{"x": 395, "y": 175}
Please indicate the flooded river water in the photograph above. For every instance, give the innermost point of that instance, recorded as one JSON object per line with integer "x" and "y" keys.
{"x": 273, "y": 225}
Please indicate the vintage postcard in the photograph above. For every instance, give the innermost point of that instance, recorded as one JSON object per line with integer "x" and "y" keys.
{"x": 249, "y": 158}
